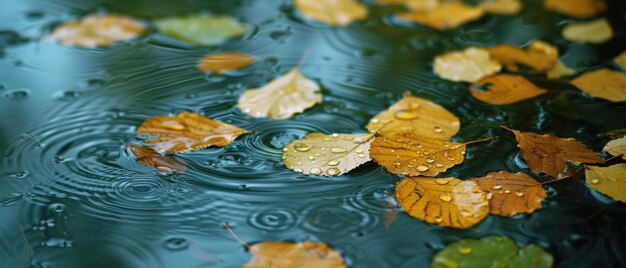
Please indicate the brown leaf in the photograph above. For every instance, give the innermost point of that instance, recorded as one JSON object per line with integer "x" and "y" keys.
{"x": 511, "y": 193}
{"x": 97, "y": 30}
{"x": 447, "y": 15}
{"x": 332, "y": 12}
{"x": 505, "y": 89}
{"x": 616, "y": 133}
{"x": 224, "y": 61}
{"x": 610, "y": 180}
{"x": 616, "y": 147}
{"x": 469, "y": 65}
{"x": 287, "y": 255}
{"x": 187, "y": 132}
{"x": 443, "y": 201}
{"x": 540, "y": 56}
{"x": 603, "y": 83}
{"x": 576, "y": 8}
{"x": 163, "y": 163}
{"x": 595, "y": 32}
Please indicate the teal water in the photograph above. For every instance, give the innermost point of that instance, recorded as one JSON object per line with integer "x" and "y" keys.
{"x": 71, "y": 196}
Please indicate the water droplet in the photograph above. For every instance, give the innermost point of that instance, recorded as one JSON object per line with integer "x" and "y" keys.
{"x": 397, "y": 164}
{"x": 489, "y": 195}
{"x": 519, "y": 193}
{"x": 430, "y": 160}
{"x": 464, "y": 250}
{"x": 332, "y": 171}
{"x": 333, "y": 162}
{"x": 438, "y": 219}
{"x": 438, "y": 165}
{"x": 405, "y": 115}
{"x": 301, "y": 147}
{"x": 361, "y": 155}
{"x": 315, "y": 171}
{"x": 310, "y": 157}
{"x": 442, "y": 181}
{"x": 335, "y": 135}
{"x": 337, "y": 150}
{"x": 437, "y": 129}
{"x": 374, "y": 120}
{"x": 595, "y": 181}
{"x": 507, "y": 191}
{"x": 173, "y": 125}
{"x": 445, "y": 197}
{"x": 465, "y": 213}
{"x": 298, "y": 170}
{"x": 496, "y": 186}
{"x": 422, "y": 168}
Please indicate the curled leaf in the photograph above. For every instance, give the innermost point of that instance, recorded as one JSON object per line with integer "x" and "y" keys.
{"x": 501, "y": 7}
{"x": 595, "y": 32}
{"x": 163, "y": 163}
{"x": 504, "y": 89}
{"x": 446, "y": 15}
{"x": 447, "y": 202}
{"x": 332, "y": 12}
{"x": 97, "y": 30}
{"x": 287, "y": 255}
{"x": 540, "y": 56}
{"x": 576, "y": 8}
{"x": 469, "y": 65}
{"x": 610, "y": 180}
{"x": 187, "y": 132}
{"x": 603, "y": 83}
{"x": 511, "y": 193}
{"x": 204, "y": 30}
{"x": 616, "y": 147}
{"x": 224, "y": 62}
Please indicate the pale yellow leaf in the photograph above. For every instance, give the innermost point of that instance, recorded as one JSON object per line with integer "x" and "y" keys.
{"x": 603, "y": 83}
{"x": 469, "y": 65}
{"x": 594, "y": 32}
{"x": 610, "y": 181}
{"x": 332, "y": 12}
{"x": 287, "y": 255}
{"x": 447, "y": 15}
{"x": 97, "y": 30}
{"x": 616, "y": 147}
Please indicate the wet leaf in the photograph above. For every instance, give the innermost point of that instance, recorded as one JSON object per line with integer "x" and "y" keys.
{"x": 416, "y": 5}
{"x": 327, "y": 155}
{"x": 447, "y": 202}
{"x": 621, "y": 60}
{"x": 539, "y": 55}
{"x": 446, "y": 15}
{"x": 418, "y": 116}
{"x": 493, "y": 251}
{"x": 549, "y": 154}
{"x": 559, "y": 70}
{"x": 501, "y": 7}
{"x": 332, "y": 12}
{"x": 204, "y": 30}
{"x": 97, "y": 31}
{"x": 469, "y": 65}
{"x": 595, "y": 32}
{"x": 511, "y": 193}
{"x": 603, "y": 83}
{"x": 616, "y": 147}
{"x": 576, "y": 8}
{"x": 410, "y": 154}
{"x": 224, "y": 61}
{"x": 163, "y": 163}
{"x": 282, "y": 97}
{"x": 187, "y": 132}
{"x": 610, "y": 180}
{"x": 616, "y": 133}
{"x": 505, "y": 89}
{"x": 287, "y": 255}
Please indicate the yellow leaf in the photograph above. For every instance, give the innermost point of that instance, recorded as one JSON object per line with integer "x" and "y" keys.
{"x": 418, "y": 116}
{"x": 163, "y": 163}
{"x": 332, "y": 12}
{"x": 287, "y": 255}
{"x": 621, "y": 60}
{"x": 501, "y": 7}
{"x": 447, "y": 15}
{"x": 559, "y": 70}
{"x": 610, "y": 180}
{"x": 504, "y": 89}
{"x": 187, "y": 132}
{"x": 327, "y": 155}
{"x": 469, "y": 65}
{"x": 576, "y": 8}
{"x": 595, "y": 32}
{"x": 616, "y": 147}
{"x": 97, "y": 30}
{"x": 603, "y": 83}
{"x": 447, "y": 202}
{"x": 540, "y": 56}
{"x": 511, "y": 193}
{"x": 416, "y": 5}
{"x": 224, "y": 62}
{"x": 282, "y": 97}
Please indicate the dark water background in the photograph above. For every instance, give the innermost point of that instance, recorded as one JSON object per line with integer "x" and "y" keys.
{"x": 70, "y": 196}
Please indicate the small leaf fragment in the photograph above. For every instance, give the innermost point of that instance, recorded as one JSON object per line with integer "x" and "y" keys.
{"x": 539, "y": 55}
{"x": 559, "y": 70}
{"x": 603, "y": 83}
{"x": 595, "y": 32}
{"x": 576, "y": 8}
{"x": 511, "y": 193}
{"x": 163, "y": 163}
{"x": 446, "y": 15}
{"x": 505, "y": 89}
{"x": 469, "y": 65}
{"x": 332, "y": 12}
{"x": 224, "y": 62}
{"x": 204, "y": 30}
{"x": 610, "y": 180}
{"x": 616, "y": 147}
{"x": 287, "y": 255}
{"x": 97, "y": 31}
{"x": 501, "y": 7}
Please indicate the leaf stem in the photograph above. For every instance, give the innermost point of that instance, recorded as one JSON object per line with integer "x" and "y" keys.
{"x": 230, "y": 230}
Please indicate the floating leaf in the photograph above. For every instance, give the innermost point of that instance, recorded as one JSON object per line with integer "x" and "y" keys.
{"x": 287, "y": 255}
{"x": 616, "y": 147}
{"x": 443, "y": 201}
{"x": 548, "y": 154}
{"x": 603, "y": 83}
{"x": 224, "y": 62}
{"x": 559, "y": 70}
{"x": 621, "y": 60}
{"x": 610, "y": 180}
{"x": 416, "y": 115}
{"x": 446, "y": 15}
{"x": 469, "y": 65}
{"x": 576, "y": 8}
{"x": 511, "y": 193}
{"x": 410, "y": 154}
{"x": 332, "y": 12}
{"x": 187, "y": 132}
{"x": 493, "y": 251}
{"x": 504, "y": 89}
{"x": 97, "y": 30}
{"x": 204, "y": 30}
{"x": 416, "y": 5}
{"x": 282, "y": 97}
{"x": 616, "y": 133}
{"x": 540, "y": 56}
{"x": 501, "y": 7}
{"x": 594, "y": 32}
{"x": 327, "y": 155}
{"x": 163, "y": 163}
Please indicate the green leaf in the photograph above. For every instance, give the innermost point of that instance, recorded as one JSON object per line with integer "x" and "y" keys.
{"x": 201, "y": 29}
{"x": 493, "y": 251}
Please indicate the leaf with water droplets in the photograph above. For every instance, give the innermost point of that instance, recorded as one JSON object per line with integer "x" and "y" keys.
{"x": 595, "y": 32}
{"x": 501, "y": 7}
{"x": 603, "y": 83}
{"x": 224, "y": 61}
{"x": 493, "y": 251}
{"x": 511, "y": 193}
{"x": 202, "y": 29}
{"x": 163, "y": 163}
{"x": 327, "y": 155}
{"x": 332, "y": 12}
{"x": 616, "y": 147}
{"x": 282, "y": 97}
{"x": 418, "y": 116}
{"x": 187, "y": 132}
{"x": 446, "y": 15}
{"x": 469, "y": 65}
{"x": 610, "y": 180}
{"x": 287, "y": 255}
{"x": 539, "y": 55}
{"x": 621, "y": 60}
{"x": 447, "y": 202}
{"x": 576, "y": 8}
{"x": 549, "y": 154}
{"x": 503, "y": 89}
{"x": 97, "y": 30}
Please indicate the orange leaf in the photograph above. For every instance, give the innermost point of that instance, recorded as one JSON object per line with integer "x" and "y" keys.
{"x": 224, "y": 62}
{"x": 621, "y": 60}
{"x": 540, "y": 56}
{"x": 505, "y": 89}
{"x": 287, "y": 255}
{"x": 187, "y": 132}
{"x": 447, "y": 15}
{"x": 576, "y": 8}
{"x": 163, "y": 163}
{"x": 97, "y": 30}
{"x": 443, "y": 201}
{"x": 511, "y": 193}
{"x": 604, "y": 83}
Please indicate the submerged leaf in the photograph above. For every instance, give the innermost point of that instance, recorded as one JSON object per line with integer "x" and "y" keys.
{"x": 447, "y": 202}
{"x": 286, "y": 255}
{"x": 511, "y": 193}
{"x": 327, "y": 155}
{"x": 469, "y": 65}
{"x": 540, "y": 56}
{"x": 187, "y": 132}
{"x": 576, "y": 8}
{"x": 610, "y": 180}
{"x": 446, "y": 15}
{"x": 97, "y": 30}
{"x": 603, "y": 83}
{"x": 616, "y": 147}
{"x": 204, "y": 30}
{"x": 224, "y": 61}
{"x": 163, "y": 163}
{"x": 282, "y": 97}
{"x": 559, "y": 70}
{"x": 594, "y": 32}
{"x": 332, "y": 12}
{"x": 501, "y": 7}
{"x": 493, "y": 251}
{"x": 505, "y": 89}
